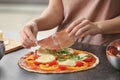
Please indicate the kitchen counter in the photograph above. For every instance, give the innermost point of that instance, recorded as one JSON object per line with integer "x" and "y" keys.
{"x": 9, "y": 69}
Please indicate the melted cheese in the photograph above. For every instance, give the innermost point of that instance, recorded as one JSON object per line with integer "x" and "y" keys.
{"x": 71, "y": 50}
{"x": 83, "y": 56}
{"x": 68, "y": 62}
{"x": 42, "y": 51}
{"x": 45, "y": 58}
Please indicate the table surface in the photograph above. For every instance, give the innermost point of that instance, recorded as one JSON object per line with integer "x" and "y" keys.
{"x": 9, "y": 69}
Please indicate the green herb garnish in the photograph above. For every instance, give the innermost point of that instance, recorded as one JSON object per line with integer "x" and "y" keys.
{"x": 61, "y": 59}
{"x": 62, "y": 51}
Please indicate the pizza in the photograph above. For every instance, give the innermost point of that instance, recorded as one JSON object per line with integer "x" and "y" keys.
{"x": 65, "y": 60}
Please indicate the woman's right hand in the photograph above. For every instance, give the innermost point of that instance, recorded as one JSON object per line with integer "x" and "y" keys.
{"x": 28, "y": 34}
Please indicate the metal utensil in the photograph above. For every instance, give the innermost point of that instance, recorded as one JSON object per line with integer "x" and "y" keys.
{"x": 2, "y": 49}
{"x": 112, "y": 55}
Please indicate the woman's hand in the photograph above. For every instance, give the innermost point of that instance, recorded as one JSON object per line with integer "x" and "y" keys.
{"x": 82, "y": 27}
{"x": 28, "y": 34}
{"x": 50, "y": 18}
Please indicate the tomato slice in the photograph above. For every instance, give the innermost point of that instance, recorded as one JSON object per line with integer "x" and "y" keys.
{"x": 52, "y": 63}
{"x": 36, "y": 63}
{"x": 89, "y": 59}
{"x": 113, "y": 50}
{"x": 79, "y": 64}
{"x": 62, "y": 67}
{"x": 35, "y": 56}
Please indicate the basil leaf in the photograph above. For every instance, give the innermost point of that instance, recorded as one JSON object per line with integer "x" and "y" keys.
{"x": 61, "y": 52}
{"x": 61, "y": 59}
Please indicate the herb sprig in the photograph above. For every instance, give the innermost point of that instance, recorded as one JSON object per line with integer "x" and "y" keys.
{"x": 59, "y": 52}
{"x": 62, "y": 51}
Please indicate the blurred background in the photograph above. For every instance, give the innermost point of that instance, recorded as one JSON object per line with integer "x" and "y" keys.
{"x": 16, "y": 13}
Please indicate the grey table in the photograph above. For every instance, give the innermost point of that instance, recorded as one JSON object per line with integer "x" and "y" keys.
{"x": 9, "y": 69}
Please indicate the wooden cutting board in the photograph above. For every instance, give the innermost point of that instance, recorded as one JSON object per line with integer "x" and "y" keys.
{"x": 12, "y": 45}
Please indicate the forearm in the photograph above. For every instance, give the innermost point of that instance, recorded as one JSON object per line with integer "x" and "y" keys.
{"x": 52, "y": 16}
{"x": 111, "y": 26}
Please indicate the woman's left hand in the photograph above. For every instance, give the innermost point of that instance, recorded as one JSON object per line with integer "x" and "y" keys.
{"x": 82, "y": 27}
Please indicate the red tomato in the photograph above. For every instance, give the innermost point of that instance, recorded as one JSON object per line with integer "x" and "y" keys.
{"x": 35, "y": 56}
{"x": 52, "y": 63}
{"x": 89, "y": 59}
{"x": 36, "y": 63}
{"x": 113, "y": 50}
{"x": 79, "y": 64}
{"x": 62, "y": 67}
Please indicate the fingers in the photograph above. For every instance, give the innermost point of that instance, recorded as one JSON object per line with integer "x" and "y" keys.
{"x": 31, "y": 35}
{"x": 26, "y": 42}
{"x": 82, "y": 30}
{"x": 80, "y": 27}
{"x": 35, "y": 30}
{"x": 83, "y": 35}
{"x": 28, "y": 35}
{"x": 73, "y": 24}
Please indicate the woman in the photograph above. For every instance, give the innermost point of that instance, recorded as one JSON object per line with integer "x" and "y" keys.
{"x": 90, "y": 21}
